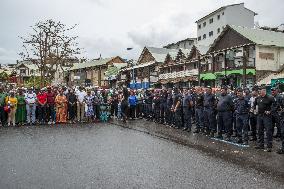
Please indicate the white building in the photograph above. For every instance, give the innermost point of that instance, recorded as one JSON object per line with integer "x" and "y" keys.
{"x": 210, "y": 26}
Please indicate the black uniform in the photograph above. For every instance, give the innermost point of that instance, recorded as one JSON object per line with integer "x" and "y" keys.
{"x": 264, "y": 120}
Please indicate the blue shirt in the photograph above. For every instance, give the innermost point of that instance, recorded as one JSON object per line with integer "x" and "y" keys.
{"x": 132, "y": 100}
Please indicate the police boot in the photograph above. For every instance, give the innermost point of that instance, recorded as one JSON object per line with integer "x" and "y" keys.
{"x": 219, "y": 136}
{"x": 280, "y": 151}
{"x": 239, "y": 141}
{"x": 196, "y": 131}
{"x": 245, "y": 142}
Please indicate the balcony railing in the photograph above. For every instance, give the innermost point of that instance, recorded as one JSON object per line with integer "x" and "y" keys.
{"x": 186, "y": 73}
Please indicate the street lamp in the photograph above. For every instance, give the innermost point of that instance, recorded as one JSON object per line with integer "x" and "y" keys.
{"x": 133, "y": 72}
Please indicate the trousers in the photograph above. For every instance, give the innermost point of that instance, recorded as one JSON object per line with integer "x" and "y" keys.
{"x": 264, "y": 122}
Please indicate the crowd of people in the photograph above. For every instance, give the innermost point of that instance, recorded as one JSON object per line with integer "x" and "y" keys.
{"x": 233, "y": 115}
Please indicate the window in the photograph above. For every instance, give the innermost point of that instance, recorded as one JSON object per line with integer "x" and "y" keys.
{"x": 218, "y": 30}
{"x": 218, "y": 17}
{"x": 199, "y": 26}
{"x": 211, "y": 21}
{"x": 211, "y": 34}
{"x": 223, "y": 13}
{"x": 204, "y": 36}
{"x": 204, "y": 24}
{"x": 199, "y": 38}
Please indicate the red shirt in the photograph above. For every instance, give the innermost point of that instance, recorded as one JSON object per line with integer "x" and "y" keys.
{"x": 42, "y": 98}
{"x": 50, "y": 98}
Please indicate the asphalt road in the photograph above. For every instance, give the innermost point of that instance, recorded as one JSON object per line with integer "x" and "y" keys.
{"x": 107, "y": 156}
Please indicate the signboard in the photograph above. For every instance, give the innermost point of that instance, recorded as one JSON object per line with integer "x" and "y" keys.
{"x": 269, "y": 56}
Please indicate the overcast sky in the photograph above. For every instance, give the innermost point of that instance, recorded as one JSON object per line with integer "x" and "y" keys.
{"x": 108, "y": 27}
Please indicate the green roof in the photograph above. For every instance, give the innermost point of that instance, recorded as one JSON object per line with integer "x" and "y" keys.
{"x": 261, "y": 37}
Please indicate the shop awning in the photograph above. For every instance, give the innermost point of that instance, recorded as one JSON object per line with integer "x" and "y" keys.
{"x": 208, "y": 76}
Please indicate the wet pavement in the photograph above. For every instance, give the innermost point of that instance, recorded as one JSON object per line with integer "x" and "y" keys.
{"x": 109, "y": 156}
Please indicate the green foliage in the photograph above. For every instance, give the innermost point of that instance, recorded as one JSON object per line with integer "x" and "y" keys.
{"x": 4, "y": 77}
{"x": 34, "y": 81}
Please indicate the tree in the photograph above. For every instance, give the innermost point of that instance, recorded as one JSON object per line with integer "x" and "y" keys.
{"x": 50, "y": 47}
{"x": 4, "y": 76}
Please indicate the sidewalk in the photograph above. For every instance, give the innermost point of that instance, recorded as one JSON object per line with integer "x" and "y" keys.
{"x": 265, "y": 162}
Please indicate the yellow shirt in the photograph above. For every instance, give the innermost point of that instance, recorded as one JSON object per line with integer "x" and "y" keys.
{"x": 13, "y": 101}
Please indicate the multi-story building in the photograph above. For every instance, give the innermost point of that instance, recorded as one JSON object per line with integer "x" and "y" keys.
{"x": 210, "y": 26}
{"x": 242, "y": 57}
{"x": 92, "y": 72}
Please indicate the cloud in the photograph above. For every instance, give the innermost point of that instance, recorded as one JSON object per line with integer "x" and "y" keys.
{"x": 163, "y": 30}
{"x": 7, "y": 56}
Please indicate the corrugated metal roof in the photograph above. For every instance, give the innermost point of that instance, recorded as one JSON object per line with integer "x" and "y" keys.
{"x": 160, "y": 54}
{"x": 261, "y": 37}
{"x": 202, "y": 49}
{"x": 91, "y": 63}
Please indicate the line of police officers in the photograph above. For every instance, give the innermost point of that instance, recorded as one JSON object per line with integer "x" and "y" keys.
{"x": 220, "y": 114}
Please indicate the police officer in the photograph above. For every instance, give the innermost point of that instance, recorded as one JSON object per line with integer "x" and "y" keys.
{"x": 274, "y": 111}
{"x": 148, "y": 104}
{"x": 253, "y": 115}
{"x": 169, "y": 112}
{"x": 163, "y": 105}
{"x": 177, "y": 109}
{"x": 281, "y": 150}
{"x": 156, "y": 107}
{"x": 242, "y": 108}
{"x": 224, "y": 108}
{"x": 264, "y": 119}
{"x": 187, "y": 105}
{"x": 209, "y": 125}
{"x": 199, "y": 101}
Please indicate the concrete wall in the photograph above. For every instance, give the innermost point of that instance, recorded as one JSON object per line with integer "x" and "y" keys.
{"x": 269, "y": 63}
{"x": 233, "y": 15}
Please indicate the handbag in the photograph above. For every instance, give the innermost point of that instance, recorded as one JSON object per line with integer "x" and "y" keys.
{"x": 7, "y": 108}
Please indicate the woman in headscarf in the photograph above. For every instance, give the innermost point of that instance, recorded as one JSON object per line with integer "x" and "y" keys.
{"x": 21, "y": 113}
{"x": 61, "y": 106}
{"x": 11, "y": 102}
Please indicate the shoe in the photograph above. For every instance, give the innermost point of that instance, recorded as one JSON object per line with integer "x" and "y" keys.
{"x": 184, "y": 129}
{"x": 189, "y": 130}
{"x": 239, "y": 141}
{"x": 212, "y": 134}
{"x": 268, "y": 150}
{"x": 259, "y": 147}
{"x": 196, "y": 131}
{"x": 245, "y": 142}
{"x": 219, "y": 136}
{"x": 280, "y": 151}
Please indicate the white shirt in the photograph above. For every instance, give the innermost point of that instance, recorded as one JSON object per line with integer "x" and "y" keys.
{"x": 30, "y": 98}
{"x": 81, "y": 96}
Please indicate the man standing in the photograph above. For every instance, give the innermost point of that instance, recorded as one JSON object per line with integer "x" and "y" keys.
{"x": 80, "y": 104}
{"x": 224, "y": 108}
{"x": 209, "y": 125}
{"x": 50, "y": 106}
{"x": 169, "y": 113}
{"x": 241, "y": 111}
{"x": 187, "y": 105}
{"x": 177, "y": 109}
{"x": 264, "y": 119}
{"x": 199, "y": 101}
{"x": 163, "y": 105}
{"x": 42, "y": 100}
{"x": 252, "y": 115}
{"x": 30, "y": 99}
{"x": 274, "y": 111}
